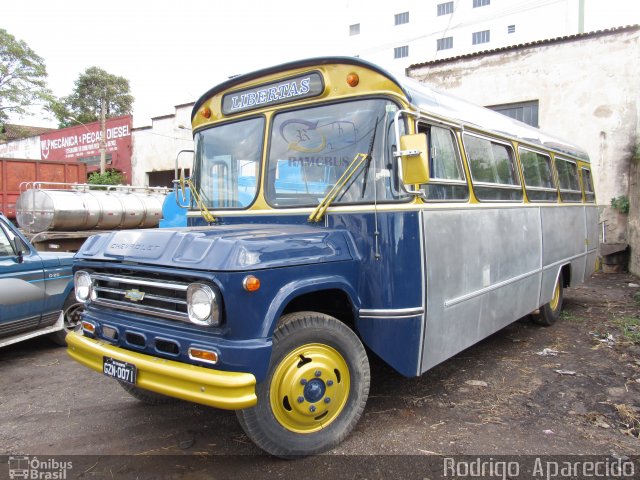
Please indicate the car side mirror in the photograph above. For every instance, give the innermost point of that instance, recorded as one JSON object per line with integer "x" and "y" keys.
{"x": 414, "y": 153}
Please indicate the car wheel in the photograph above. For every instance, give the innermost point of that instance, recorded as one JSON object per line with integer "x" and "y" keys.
{"x": 316, "y": 387}
{"x": 71, "y": 316}
{"x": 550, "y": 312}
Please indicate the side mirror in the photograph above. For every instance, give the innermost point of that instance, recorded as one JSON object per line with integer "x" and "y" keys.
{"x": 414, "y": 153}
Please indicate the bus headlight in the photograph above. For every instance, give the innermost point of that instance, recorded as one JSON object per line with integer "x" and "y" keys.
{"x": 202, "y": 305}
{"x": 83, "y": 286}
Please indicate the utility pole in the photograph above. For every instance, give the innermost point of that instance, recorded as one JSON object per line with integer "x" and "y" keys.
{"x": 103, "y": 136}
{"x": 581, "y": 16}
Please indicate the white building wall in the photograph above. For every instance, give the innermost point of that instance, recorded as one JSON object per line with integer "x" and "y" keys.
{"x": 25, "y": 148}
{"x": 533, "y": 20}
{"x": 155, "y": 147}
{"x": 587, "y": 90}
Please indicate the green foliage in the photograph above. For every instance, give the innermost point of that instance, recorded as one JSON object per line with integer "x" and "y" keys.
{"x": 85, "y": 102}
{"x": 621, "y": 203}
{"x": 23, "y": 77}
{"x": 630, "y": 328}
{"x": 109, "y": 177}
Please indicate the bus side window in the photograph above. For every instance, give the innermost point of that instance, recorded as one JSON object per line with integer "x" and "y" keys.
{"x": 448, "y": 180}
{"x": 568, "y": 179}
{"x": 493, "y": 169}
{"x": 538, "y": 177}
{"x": 587, "y": 184}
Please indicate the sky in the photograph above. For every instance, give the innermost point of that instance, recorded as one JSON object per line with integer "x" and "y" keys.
{"x": 171, "y": 51}
{"x": 174, "y": 51}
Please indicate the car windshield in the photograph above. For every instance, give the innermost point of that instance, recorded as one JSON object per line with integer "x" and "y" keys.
{"x": 310, "y": 149}
{"x": 227, "y": 163}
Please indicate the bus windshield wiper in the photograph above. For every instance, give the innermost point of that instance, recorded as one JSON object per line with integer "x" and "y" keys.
{"x": 345, "y": 178}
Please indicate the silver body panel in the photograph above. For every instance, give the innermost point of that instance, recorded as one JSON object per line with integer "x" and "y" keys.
{"x": 488, "y": 266}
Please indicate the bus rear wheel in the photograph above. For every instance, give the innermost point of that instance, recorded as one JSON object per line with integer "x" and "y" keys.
{"x": 550, "y": 312}
{"x": 315, "y": 390}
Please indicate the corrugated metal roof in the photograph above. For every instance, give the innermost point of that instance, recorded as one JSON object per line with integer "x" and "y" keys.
{"x": 537, "y": 43}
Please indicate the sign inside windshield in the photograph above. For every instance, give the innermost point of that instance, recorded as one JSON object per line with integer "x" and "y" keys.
{"x": 303, "y": 86}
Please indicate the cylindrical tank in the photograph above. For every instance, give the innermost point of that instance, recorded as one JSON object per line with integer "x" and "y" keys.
{"x": 39, "y": 210}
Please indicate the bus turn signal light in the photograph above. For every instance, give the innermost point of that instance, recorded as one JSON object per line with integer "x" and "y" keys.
{"x": 206, "y": 112}
{"x": 251, "y": 283}
{"x": 89, "y": 327}
{"x": 353, "y": 79}
{"x": 203, "y": 355}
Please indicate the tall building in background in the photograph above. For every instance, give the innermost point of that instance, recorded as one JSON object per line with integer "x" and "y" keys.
{"x": 398, "y": 34}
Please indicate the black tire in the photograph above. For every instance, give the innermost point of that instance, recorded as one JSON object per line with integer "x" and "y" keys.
{"x": 71, "y": 315}
{"x": 549, "y": 313}
{"x": 315, "y": 391}
{"x": 145, "y": 396}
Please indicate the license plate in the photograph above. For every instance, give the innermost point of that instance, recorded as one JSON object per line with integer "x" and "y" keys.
{"x": 123, "y": 371}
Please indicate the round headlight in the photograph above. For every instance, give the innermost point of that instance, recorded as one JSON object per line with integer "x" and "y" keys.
{"x": 83, "y": 286}
{"x": 202, "y": 304}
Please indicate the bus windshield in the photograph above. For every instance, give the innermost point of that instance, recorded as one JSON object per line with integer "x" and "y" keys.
{"x": 311, "y": 148}
{"x": 227, "y": 163}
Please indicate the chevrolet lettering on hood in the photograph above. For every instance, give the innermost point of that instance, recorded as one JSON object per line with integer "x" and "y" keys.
{"x": 134, "y": 246}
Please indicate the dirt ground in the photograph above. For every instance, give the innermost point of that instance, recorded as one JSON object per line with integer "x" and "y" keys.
{"x": 504, "y": 396}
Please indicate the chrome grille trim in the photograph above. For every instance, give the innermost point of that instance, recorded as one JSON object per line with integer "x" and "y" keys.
{"x": 155, "y": 290}
{"x": 141, "y": 281}
{"x": 158, "y": 312}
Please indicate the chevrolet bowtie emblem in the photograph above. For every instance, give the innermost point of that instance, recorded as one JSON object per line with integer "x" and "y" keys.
{"x": 134, "y": 295}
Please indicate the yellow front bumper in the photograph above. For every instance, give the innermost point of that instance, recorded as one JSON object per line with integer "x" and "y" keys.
{"x": 215, "y": 388}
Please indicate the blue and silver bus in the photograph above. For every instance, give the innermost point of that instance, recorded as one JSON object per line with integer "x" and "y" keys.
{"x": 334, "y": 206}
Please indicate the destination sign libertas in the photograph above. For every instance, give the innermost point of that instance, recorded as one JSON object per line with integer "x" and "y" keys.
{"x": 303, "y": 86}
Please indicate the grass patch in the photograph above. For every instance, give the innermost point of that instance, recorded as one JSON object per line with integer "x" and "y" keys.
{"x": 569, "y": 316}
{"x": 630, "y": 327}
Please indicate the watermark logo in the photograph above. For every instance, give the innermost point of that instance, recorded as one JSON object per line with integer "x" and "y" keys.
{"x": 33, "y": 468}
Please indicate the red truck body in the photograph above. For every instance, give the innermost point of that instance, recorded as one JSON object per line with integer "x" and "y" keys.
{"x": 14, "y": 171}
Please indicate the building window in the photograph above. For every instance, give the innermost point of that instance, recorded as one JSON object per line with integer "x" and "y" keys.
{"x": 480, "y": 3}
{"x": 401, "y": 18}
{"x": 444, "y": 43}
{"x": 401, "y": 52}
{"x": 481, "y": 37}
{"x": 354, "y": 29}
{"x": 511, "y": 29}
{"x": 526, "y": 112}
{"x": 445, "y": 8}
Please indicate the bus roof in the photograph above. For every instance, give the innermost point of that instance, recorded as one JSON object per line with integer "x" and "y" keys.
{"x": 426, "y": 99}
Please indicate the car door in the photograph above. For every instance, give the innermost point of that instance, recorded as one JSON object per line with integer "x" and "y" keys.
{"x": 21, "y": 284}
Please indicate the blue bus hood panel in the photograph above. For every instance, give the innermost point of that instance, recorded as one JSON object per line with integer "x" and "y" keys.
{"x": 223, "y": 248}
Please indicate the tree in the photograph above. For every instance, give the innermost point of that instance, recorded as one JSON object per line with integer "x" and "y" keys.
{"x": 84, "y": 104}
{"x": 109, "y": 177}
{"x": 23, "y": 77}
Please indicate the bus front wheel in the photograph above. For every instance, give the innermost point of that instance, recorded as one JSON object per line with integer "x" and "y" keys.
{"x": 550, "y": 312}
{"x": 315, "y": 390}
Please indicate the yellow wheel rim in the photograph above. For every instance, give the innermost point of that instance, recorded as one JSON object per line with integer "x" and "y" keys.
{"x": 309, "y": 388}
{"x": 555, "y": 300}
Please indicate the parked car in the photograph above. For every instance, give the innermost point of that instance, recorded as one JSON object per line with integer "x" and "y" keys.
{"x": 36, "y": 290}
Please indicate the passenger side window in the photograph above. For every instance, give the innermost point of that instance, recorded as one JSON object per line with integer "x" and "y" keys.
{"x": 587, "y": 185}
{"x": 447, "y": 180}
{"x": 6, "y": 249}
{"x": 493, "y": 169}
{"x": 538, "y": 178}
{"x": 568, "y": 179}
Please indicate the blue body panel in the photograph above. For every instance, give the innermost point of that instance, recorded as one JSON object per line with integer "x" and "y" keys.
{"x": 33, "y": 288}
{"x": 291, "y": 258}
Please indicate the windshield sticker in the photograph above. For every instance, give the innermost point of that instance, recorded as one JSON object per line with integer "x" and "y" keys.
{"x": 304, "y": 86}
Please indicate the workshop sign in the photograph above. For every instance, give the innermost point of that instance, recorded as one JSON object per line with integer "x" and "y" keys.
{"x": 83, "y": 141}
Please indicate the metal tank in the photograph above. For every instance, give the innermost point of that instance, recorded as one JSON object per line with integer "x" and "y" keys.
{"x": 82, "y": 207}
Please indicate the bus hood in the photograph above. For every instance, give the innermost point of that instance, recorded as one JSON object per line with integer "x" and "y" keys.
{"x": 223, "y": 248}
